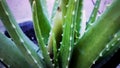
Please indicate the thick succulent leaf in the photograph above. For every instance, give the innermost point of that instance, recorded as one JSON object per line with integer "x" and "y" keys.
{"x": 64, "y": 6}
{"x": 68, "y": 36}
{"x": 40, "y": 38}
{"x": 43, "y": 22}
{"x": 56, "y": 30}
{"x": 55, "y": 52}
{"x": 26, "y": 46}
{"x": 55, "y": 36}
{"x": 77, "y": 18}
{"x": 55, "y": 7}
{"x": 112, "y": 46}
{"x": 93, "y": 14}
{"x": 90, "y": 45}
{"x": 10, "y": 54}
{"x": 108, "y": 60}
{"x": 31, "y": 2}
{"x": 110, "y": 49}
{"x": 44, "y": 6}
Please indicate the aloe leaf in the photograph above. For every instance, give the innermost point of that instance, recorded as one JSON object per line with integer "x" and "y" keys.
{"x": 40, "y": 38}
{"x": 9, "y": 54}
{"x": 68, "y": 36}
{"x": 55, "y": 52}
{"x": 106, "y": 59}
{"x": 43, "y": 21}
{"x": 112, "y": 46}
{"x": 23, "y": 43}
{"x": 55, "y": 37}
{"x": 64, "y": 5}
{"x": 56, "y": 30}
{"x": 109, "y": 50}
{"x": 77, "y": 17}
{"x": 44, "y": 6}
{"x": 93, "y": 14}
{"x": 55, "y": 7}
{"x": 31, "y": 2}
{"x": 90, "y": 45}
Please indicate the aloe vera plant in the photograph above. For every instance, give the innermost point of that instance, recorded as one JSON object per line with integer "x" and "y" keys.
{"x": 60, "y": 42}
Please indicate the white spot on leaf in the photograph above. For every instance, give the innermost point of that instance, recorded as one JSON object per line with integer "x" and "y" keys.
{"x": 48, "y": 53}
{"x": 50, "y": 59}
{"x": 29, "y": 52}
{"x": 64, "y": 16}
{"x": 112, "y": 45}
{"x": 91, "y": 24}
{"x": 68, "y": 58}
{"x": 13, "y": 26}
{"x": 107, "y": 46}
{"x": 1, "y": 59}
{"x": 60, "y": 43}
{"x": 8, "y": 66}
{"x": 70, "y": 38}
{"x": 73, "y": 13}
{"x": 64, "y": 26}
{"x": 115, "y": 35}
{"x": 50, "y": 33}
{"x": 35, "y": 61}
{"x": 67, "y": 66}
{"x": 53, "y": 64}
{"x": 72, "y": 26}
{"x": 118, "y": 39}
{"x": 100, "y": 54}
{"x": 67, "y": 6}
{"x": 93, "y": 62}
{"x": 7, "y": 13}
{"x": 70, "y": 48}
{"x": 59, "y": 49}
{"x": 75, "y": 0}
{"x": 21, "y": 40}
{"x": 62, "y": 34}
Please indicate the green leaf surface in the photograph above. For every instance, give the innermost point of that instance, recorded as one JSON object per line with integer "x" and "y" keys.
{"x": 77, "y": 18}
{"x": 10, "y": 54}
{"x": 26, "y": 46}
{"x": 40, "y": 38}
{"x": 43, "y": 22}
{"x": 68, "y": 36}
{"x": 55, "y": 7}
{"x": 111, "y": 48}
{"x": 95, "y": 39}
{"x": 93, "y": 15}
{"x": 64, "y": 6}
